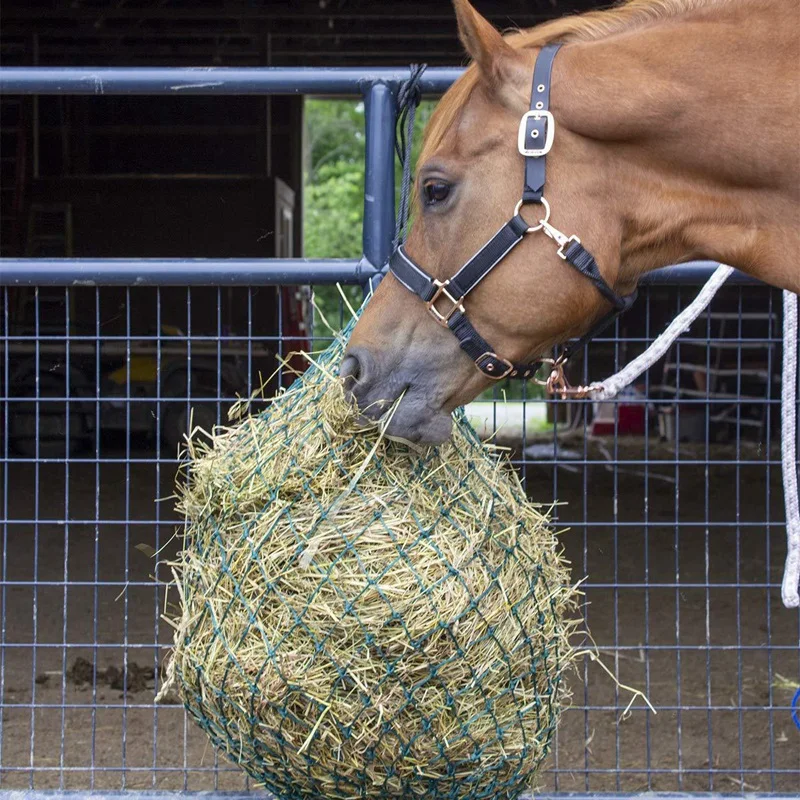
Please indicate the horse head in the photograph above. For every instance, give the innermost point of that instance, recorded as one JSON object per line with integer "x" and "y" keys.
{"x": 469, "y": 181}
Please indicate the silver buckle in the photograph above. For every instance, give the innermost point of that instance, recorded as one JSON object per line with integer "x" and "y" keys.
{"x": 569, "y": 241}
{"x": 550, "y": 132}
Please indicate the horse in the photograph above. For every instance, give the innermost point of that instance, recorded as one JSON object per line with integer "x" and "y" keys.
{"x": 673, "y": 136}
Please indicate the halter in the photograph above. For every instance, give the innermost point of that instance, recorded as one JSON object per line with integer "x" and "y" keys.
{"x": 445, "y": 299}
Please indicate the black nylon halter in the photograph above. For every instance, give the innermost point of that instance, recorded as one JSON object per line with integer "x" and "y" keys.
{"x": 445, "y": 298}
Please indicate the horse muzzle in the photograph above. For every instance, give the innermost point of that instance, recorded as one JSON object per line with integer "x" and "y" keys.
{"x": 402, "y": 393}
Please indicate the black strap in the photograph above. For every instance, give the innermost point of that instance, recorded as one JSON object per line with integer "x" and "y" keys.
{"x": 410, "y": 275}
{"x": 480, "y": 351}
{"x": 471, "y": 274}
{"x": 583, "y": 261}
{"x": 488, "y": 257}
{"x": 462, "y": 283}
{"x": 536, "y": 129}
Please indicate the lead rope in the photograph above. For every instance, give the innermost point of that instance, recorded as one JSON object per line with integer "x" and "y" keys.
{"x": 409, "y": 96}
{"x": 791, "y": 571}
{"x": 610, "y": 388}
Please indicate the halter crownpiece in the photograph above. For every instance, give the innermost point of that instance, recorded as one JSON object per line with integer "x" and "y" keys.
{"x": 445, "y": 299}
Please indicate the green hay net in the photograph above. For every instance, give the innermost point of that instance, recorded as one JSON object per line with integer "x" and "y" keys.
{"x": 363, "y": 618}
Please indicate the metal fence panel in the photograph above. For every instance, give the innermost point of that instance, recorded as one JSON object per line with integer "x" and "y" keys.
{"x": 680, "y": 538}
{"x": 672, "y": 499}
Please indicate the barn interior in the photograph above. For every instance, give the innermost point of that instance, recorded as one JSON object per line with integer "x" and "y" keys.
{"x": 672, "y": 517}
{"x": 139, "y": 176}
{"x": 85, "y": 151}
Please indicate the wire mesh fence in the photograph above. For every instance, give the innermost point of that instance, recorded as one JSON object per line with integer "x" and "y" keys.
{"x": 669, "y": 498}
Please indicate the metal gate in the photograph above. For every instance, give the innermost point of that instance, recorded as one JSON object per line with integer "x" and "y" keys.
{"x": 672, "y": 500}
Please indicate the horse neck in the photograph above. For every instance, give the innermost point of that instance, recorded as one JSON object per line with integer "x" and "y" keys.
{"x": 695, "y": 122}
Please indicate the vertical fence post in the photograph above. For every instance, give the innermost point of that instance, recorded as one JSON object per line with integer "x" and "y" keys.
{"x": 380, "y": 113}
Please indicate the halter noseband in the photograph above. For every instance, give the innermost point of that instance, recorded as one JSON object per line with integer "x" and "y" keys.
{"x": 445, "y": 299}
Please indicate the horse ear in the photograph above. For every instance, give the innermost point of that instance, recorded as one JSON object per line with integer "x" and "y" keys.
{"x": 497, "y": 60}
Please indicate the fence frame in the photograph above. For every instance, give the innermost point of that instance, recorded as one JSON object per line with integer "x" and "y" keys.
{"x": 378, "y": 89}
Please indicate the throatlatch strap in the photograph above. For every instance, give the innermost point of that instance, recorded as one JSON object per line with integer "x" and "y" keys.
{"x": 583, "y": 261}
{"x": 533, "y": 188}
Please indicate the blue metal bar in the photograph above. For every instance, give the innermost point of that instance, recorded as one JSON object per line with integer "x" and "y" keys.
{"x": 340, "y": 81}
{"x": 378, "y": 229}
{"x": 180, "y": 271}
{"x": 292, "y": 271}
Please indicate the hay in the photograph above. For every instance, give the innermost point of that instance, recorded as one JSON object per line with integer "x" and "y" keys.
{"x": 362, "y": 618}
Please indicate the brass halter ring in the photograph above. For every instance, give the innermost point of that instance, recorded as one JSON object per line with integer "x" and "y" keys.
{"x": 542, "y": 222}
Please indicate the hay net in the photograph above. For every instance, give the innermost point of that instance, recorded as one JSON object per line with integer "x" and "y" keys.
{"x": 361, "y": 617}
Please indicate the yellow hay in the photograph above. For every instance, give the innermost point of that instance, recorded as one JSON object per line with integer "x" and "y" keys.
{"x": 361, "y": 618}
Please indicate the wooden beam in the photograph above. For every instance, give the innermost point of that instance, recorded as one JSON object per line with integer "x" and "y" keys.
{"x": 303, "y": 10}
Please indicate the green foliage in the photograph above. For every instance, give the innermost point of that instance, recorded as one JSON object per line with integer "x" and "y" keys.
{"x": 334, "y": 191}
{"x": 334, "y": 135}
{"x": 333, "y": 198}
{"x": 334, "y": 210}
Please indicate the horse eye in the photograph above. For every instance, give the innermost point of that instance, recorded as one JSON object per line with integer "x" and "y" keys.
{"x": 435, "y": 192}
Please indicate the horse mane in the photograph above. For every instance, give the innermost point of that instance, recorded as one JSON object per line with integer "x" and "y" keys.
{"x": 588, "y": 26}
{"x": 593, "y": 25}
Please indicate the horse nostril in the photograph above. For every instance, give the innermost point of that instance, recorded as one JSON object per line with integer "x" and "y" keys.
{"x": 350, "y": 370}
{"x": 357, "y": 372}
{"x": 355, "y": 369}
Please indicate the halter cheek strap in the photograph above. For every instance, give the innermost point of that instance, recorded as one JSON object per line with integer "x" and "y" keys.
{"x": 537, "y": 128}
{"x": 445, "y": 299}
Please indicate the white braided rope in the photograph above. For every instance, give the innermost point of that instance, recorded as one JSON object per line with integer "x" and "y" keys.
{"x": 611, "y": 387}
{"x": 791, "y": 572}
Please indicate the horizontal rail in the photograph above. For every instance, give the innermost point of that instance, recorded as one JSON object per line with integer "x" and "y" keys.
{"x": 340, "y": 81}
{"x": 180, "y": 271}
{"x": 251, "y": 272}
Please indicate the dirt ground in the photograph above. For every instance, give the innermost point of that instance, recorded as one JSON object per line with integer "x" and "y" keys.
{"x": 716, "y": 661}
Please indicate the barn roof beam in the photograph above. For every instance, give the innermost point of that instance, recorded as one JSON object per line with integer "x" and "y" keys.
{"x": 304, "y": 10}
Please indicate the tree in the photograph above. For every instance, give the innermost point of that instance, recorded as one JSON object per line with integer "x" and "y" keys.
{"x": 334, "y": 191}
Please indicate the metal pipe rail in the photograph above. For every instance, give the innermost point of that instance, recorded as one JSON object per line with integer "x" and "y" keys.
{"x": 331, "y": 81}
{"x": 254, "y": 272}
{"x": 377, "y": 86}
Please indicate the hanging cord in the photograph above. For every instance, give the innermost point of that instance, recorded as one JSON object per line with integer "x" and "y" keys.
{"x": 409, "y": 96}
{"x": 611, "y": 387}
{"x": 791, "y": 572}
